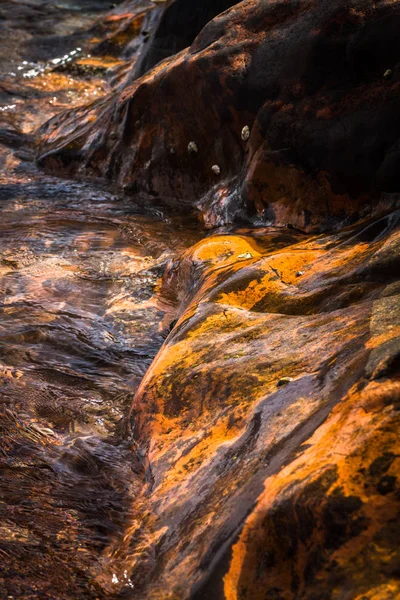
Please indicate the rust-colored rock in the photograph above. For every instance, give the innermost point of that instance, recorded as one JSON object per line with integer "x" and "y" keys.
{"x": 308, "y": 79}
{"x": 257, "y": 490}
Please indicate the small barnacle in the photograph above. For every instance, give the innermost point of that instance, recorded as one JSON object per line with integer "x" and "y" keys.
{"x": 245, "y": 133}
{"x": 216, "y": 169}
{"x": 192, "y": 148}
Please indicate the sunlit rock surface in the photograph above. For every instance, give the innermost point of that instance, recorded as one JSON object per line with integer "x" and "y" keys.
{"x": 317, "y": 83}
{"x": 187, "y": 415}
{"x": 270, "y": 417}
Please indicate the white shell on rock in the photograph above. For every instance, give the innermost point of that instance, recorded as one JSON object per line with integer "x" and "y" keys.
{"x": 246, "y": 255}
{"x": 245, "y": 133}
{"x": 192, "y": 148}
{"x": 216, "y": 169}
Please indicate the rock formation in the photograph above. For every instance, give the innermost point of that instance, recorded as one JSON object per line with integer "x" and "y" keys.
{"x": 317, "y": 83}
{"x": 270, "y": 420}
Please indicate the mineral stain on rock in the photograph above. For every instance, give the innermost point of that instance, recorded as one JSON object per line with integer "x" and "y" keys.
{"x": 199, "y": 333}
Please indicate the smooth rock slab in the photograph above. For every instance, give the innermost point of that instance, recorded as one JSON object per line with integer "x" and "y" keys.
{"x": 257, "y": 491}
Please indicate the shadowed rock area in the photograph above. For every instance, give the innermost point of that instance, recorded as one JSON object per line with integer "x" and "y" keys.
{"x": 316, "y": 83}
{"x": 191, "y": 414}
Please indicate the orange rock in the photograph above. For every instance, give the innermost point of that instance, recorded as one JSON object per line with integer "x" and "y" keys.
{"x": 256, "y": 490}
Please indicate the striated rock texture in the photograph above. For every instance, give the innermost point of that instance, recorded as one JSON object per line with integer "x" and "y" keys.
{"x": 270, "y": 422}
{"x": 317, "y": 83}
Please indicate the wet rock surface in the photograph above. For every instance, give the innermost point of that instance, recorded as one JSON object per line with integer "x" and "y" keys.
{"x": 317, "y": 82}
{"x": 187, "y": 414}
{"x": 264, "y": 490}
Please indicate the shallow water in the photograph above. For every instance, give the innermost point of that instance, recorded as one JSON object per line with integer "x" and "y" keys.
{"x": 80, "y": 322}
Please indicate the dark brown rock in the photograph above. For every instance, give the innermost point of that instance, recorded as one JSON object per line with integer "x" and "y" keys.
{"x": 307, "y": 78}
